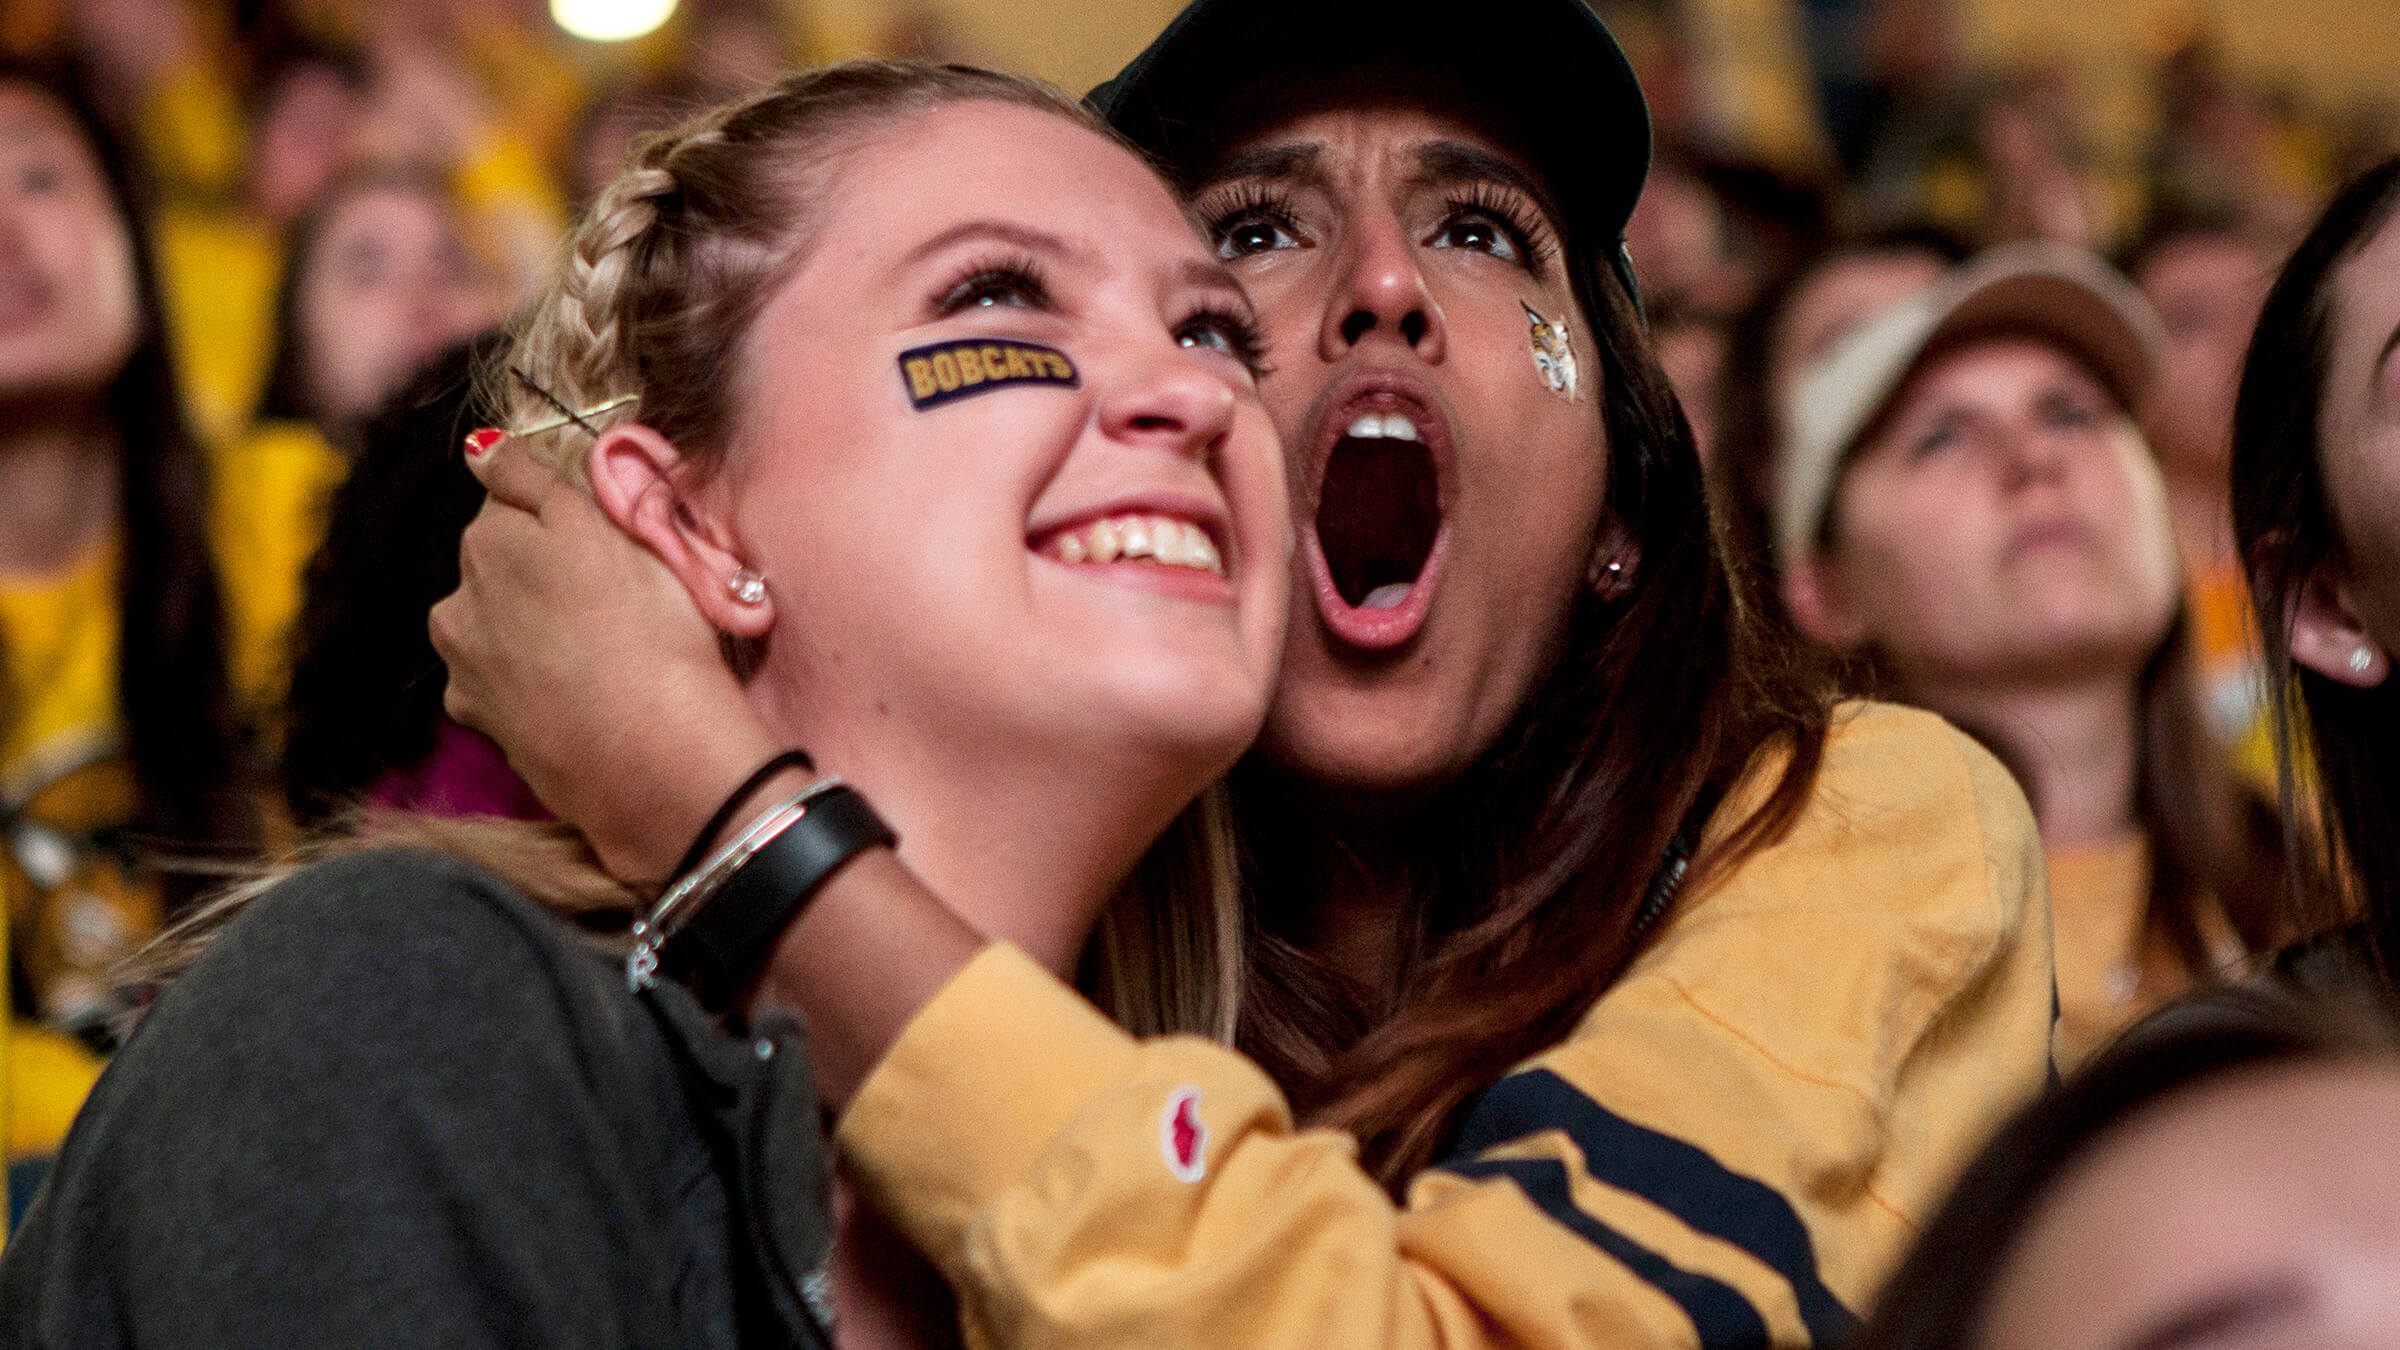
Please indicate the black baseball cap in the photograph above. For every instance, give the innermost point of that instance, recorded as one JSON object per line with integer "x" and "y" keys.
{"x": 1555, "y": 78}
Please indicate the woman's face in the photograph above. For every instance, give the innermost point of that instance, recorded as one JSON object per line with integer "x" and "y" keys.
{"x": 2207, "y": 289}
{"x": 2261, "y": 1211}
{"x": 2003, "y": 522}
{"x": 1446, "y": 496}
{"x": 2360, "y": 431}
{"x": 388, "y": 284}
{"x": 1097, "y": 569}
{"x": 69, "y": 315}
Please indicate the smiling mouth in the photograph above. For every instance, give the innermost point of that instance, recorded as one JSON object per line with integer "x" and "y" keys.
{"x": 1379, "y": 510}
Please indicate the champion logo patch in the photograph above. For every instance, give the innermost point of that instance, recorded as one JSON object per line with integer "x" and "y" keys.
{"x": 1182, "y": 1139}
{"x": 948, "y": 371}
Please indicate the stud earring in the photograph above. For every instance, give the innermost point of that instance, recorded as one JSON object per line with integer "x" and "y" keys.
{"x": 747, "y": 586}
{"x": 2361, "y": 659}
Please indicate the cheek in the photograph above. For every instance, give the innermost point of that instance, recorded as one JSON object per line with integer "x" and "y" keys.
{"x": 1909, "y": 552}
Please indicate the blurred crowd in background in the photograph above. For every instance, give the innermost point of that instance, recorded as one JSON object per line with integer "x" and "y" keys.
{"x": 324, "y": 195}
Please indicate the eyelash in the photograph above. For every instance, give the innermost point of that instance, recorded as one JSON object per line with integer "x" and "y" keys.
{"x": 1022, "y": 275}
{"x": 987, "y": 280}
{"x": 1524, "y": 225}
{"x": 1242, "y": 201}
{"x": 1241, "y": 332}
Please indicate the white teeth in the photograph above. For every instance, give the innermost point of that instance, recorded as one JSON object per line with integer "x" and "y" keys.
{"x": 1164, "y": 541}
{"x": 1387, "y": 596}
{"x": 1387, "y": 426}
{"x": 1137, "y": 538}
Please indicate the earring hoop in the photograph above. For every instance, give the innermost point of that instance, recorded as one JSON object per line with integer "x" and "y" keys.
{"x": 747, "y": 586}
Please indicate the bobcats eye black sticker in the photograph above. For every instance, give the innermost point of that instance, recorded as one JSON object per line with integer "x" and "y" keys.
{"x": 947, "y": 371}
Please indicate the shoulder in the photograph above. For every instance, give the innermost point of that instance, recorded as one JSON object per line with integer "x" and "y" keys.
{"x": 378, "y": 961}
{"x": 1904, "y": 809}
{"x": 1909, "y": 875}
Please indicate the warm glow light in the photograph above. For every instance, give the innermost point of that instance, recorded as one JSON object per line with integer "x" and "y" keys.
{"x": 610, "y": 20}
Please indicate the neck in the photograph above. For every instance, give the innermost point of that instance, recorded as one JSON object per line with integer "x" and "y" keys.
{"x": 2075, "y": 746}
{"x": 58, "y": 486}
{"x": 1030, "y": 843}
{"x": 1349, "y": 878}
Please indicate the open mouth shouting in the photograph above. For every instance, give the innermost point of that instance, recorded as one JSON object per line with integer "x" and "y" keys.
{"x": 1374, "y": 542}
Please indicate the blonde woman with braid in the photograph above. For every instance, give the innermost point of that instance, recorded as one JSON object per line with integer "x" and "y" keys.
{"x": 928, "y": 395}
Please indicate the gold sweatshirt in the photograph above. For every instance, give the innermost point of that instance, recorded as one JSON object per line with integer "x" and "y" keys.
{"x": 1732, "y": 1149}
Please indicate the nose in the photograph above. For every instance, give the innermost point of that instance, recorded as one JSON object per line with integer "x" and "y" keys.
{"x": 2033, "y": 453}
{"x": 1380, "y": 295}
{"x": 1171, "y": 402}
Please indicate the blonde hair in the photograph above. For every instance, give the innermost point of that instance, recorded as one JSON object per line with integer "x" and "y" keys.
{"x": 651, "y": 296}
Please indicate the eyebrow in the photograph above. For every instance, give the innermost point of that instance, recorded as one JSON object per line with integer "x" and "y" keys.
{"x": 1023, "y": 236}
{"x": 1298, "y": 161}
{"x": 1449, "y": 163}
{"x": 2222, "y": 1314}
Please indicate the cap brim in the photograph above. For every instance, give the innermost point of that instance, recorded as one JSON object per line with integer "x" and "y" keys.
{"x": 2059, "y": 293}
{"x": 1556, "y": 79}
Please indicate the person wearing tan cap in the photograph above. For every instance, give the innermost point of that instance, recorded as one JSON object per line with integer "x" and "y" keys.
{"x": 1967, "y": 505}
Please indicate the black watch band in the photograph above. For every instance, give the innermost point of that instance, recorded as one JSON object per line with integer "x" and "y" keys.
{"x": 725, "y": 944}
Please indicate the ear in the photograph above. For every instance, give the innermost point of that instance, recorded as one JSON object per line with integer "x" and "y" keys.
{"x": 1819, "y": 603}
{"x": 1615, "y": 560}
{"x": 635, "y": 475}
{"x": 2328, "y": 638}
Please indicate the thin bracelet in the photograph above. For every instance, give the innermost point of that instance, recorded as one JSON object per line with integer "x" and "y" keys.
{"x": 683, "y": 899}
{"x": 789, "y": 759}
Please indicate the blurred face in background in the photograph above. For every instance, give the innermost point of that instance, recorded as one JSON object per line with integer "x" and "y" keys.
{"x": 2002, "y": 522}
{"x": 388, "y": 282}
{"x": 2258, "y": 1211}
{"x": 69, "y": 313}
{"x": 2207, "y": 289}
{"x": 302, "y": 138}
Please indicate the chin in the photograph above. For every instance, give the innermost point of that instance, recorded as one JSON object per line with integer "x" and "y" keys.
{"x": 1353, "y": 746}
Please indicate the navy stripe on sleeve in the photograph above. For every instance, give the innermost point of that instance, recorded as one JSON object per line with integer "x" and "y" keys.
{"x": 1724, "y": 1319}
{"x": 1669, "y": 1173}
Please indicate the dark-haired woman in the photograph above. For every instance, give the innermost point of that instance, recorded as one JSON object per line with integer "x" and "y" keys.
{"x": 2316, "y": 464}
{"x": 2214, "y": 1178}
{"x": 1633, "y": 994}
{"x": 1967, "y": 505}
{"x": 377, "y": 279}
{"x": 117, "y": 740}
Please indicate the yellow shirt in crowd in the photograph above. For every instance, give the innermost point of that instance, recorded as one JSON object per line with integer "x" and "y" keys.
{"x": 77, "y": 902}
{"x": 1734, "y": 1147}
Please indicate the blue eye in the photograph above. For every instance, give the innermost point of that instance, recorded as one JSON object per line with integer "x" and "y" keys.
{"x": 1226, "y": 333}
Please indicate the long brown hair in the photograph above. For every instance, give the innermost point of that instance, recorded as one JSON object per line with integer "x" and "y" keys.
{"x": 182, "y": 734}
{"x": 1529, "y": 871}
{"x": 2344, "y": 846}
